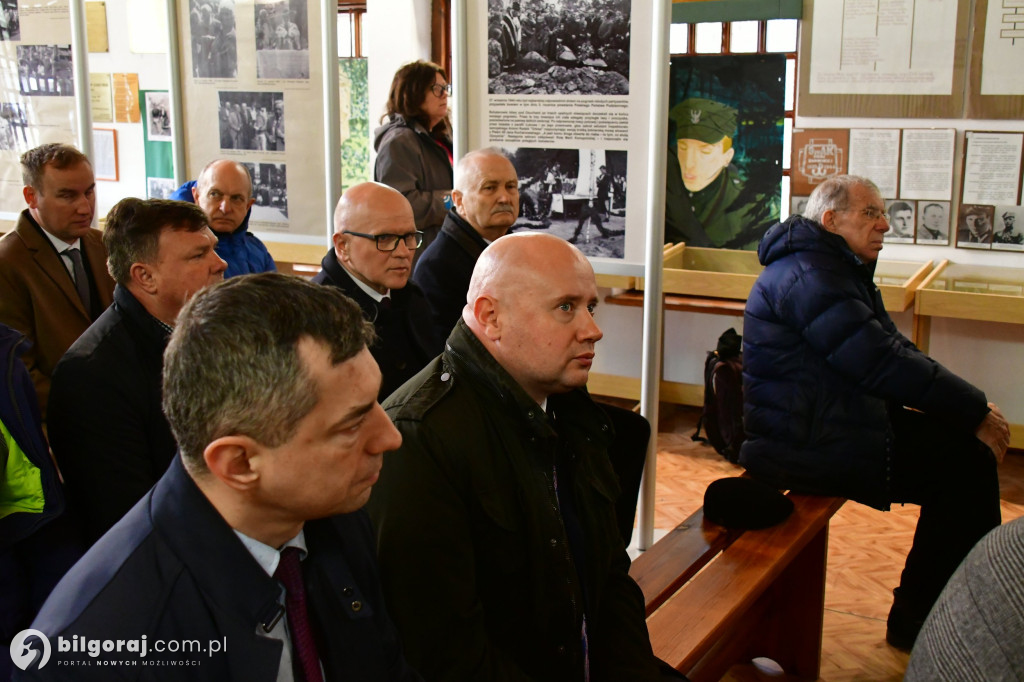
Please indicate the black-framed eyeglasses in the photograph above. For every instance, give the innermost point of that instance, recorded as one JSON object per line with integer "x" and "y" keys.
{"x": 441, "y": 90}
{"x": 389, "y": 242}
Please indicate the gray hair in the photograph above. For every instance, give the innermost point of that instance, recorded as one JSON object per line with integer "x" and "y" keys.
{"x": 232, "y": 365}
{"x": 834, "y": 195}
{"x": 465, "y": 169}
{"x": 203, "y": 179}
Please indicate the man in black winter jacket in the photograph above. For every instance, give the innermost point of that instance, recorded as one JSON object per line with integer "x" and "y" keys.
{"x": 838, "y": 402}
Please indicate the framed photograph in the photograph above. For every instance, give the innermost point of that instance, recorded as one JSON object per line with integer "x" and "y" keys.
{"x": 104, "y": 144}
{"x": 158, "y": 116}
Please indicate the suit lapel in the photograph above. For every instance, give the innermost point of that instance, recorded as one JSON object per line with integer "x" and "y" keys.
{"x": 49, "y": 262}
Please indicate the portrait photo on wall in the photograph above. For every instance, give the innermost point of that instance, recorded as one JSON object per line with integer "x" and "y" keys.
{"x": 1009, "y": 229}
{"x": 933, "y": 223}
{"x": 10, "y": 23}
{"x": 901, "y": 222}
{"x": 576, "y": 194}
{"x": 724, "y": 175}
{"x": 160, "y": 188}
{"x": 251, "y": 120}
{"x": 13, "y": 126}
{"x": 158, "y": 116}
{"x": 214, "y": 48}
{"x": 270, "y": 190}
{"x": 46, "y": 70}
{"x": 282, "y": 39}
{"x": 974, "y": 226}
{"x": 558, "y": 47}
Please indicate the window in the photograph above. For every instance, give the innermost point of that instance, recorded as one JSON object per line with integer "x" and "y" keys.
{"x": 350, "y": 28}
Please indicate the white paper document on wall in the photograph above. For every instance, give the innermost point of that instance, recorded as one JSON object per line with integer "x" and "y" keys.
{"x": 883, "y": 47}
{"x": 992, "y": 168}
{"x": 926, "y": 164}
{"x": 1002, "y": 64}
{"x": 875, "y": 154}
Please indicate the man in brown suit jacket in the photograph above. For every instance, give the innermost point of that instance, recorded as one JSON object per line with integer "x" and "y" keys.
{"x": 49, "y": 292}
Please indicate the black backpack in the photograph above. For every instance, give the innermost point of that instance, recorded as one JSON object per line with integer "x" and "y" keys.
{"x": 722, "y": 416}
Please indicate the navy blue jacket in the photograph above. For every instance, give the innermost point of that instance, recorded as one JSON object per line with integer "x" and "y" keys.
{"x": 243, "y": 251}
{"x": 823, "y": 363}
{"x": 444, "y": 269}
{"x": 172, "y": 569}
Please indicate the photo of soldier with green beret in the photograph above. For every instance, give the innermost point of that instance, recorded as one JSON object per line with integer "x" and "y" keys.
{"x": 725, "y": 150}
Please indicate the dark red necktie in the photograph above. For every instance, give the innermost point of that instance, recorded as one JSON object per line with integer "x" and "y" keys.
{"x": 304, "y": 655}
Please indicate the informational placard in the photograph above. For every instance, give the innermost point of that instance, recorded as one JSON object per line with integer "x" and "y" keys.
{"x": 37, "y": 102}
{"x": 875, "y": 154}
{"x": 101, "y": 98}
{"x": 817, "y": 154}
{"x": 992, "y": 163}
{"x": 250, "y": 71}
{"x": 926, "y": 164}
{"x": 897, "y": 47}
{"x": 1003, "y": 52}
{"x": 566, "y": 93}
{"x": 96, "y": 26}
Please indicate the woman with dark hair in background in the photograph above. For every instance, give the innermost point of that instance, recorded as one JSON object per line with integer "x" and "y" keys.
{"x": 414, "y": 146}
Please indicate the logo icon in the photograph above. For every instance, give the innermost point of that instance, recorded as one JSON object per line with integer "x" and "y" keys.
{"x": 23, "y": 654}
{"x": 695, "y": 116}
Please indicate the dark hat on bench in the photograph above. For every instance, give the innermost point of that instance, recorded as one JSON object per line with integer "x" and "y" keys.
{"x": 745, "y": 503}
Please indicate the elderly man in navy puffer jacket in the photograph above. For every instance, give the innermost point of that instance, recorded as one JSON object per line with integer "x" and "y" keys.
{"x": 838, "y": 402}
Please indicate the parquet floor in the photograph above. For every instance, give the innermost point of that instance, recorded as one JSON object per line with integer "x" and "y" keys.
{"x": 867, "y": 549}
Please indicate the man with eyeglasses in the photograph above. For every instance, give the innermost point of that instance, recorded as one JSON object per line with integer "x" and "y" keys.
{"x": 374, "y": 239}
{"x": 839, "y": 402}
{"x": 224, "y": 192}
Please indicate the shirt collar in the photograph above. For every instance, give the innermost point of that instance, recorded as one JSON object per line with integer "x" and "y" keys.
{"x": 62, "y": 245}
{"x": 368, "y": 290}
{"x": 268, "y": 557}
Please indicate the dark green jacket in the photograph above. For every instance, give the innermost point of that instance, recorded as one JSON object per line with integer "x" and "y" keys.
{"x": 474, "y": 556}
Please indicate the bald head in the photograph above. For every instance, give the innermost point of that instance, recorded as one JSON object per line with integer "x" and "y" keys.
{"x": 486, "y": 193}
{"x": 364, "y": 212}
{"x": 224, "y": 191}
{"x": 530, "y": 303}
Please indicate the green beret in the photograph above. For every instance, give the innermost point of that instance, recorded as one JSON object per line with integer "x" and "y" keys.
{"x": 703, "y": 119}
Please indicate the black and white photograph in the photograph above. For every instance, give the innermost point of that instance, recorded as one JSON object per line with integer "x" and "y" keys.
{"x": 160, "y": 188}
{"x": 558, "y": 47}
{"x": 282, "y": 39}
{"x": 251, "y": 120}
{"x": 576, "y": 194}
{"x": 1009, "y": 229}
{"x": 974, "y": 226}
{"x": 270, "y": 190}
{"x": 214, "y": 48}
{"x": 13, "y": 127}
{"x": 45, "y": 70}
{"x": 901, "y": 222}
{"x": 933, "y": 222}
{"x": 797, "y": 205}
{"x": 10, "y": 23}
{"x": 158, "y": 116}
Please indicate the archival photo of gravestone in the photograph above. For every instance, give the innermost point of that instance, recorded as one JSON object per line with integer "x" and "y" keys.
{"x": 558, "y": 47}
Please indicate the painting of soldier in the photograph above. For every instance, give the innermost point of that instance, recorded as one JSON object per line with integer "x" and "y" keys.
{"x": 214, "y": 47}
{"x": 270, "y": 192}
{"x": 548, "y": 47}
{"x": 974, "y": 227}
{"x": 1009, "y": 229}
{"x": 251, "y": 120}
{"x": 933, "y": 222}
{"x": 724, "y": 175}
{"x": 282, "y": 39}
{"x": 10, "y": 23}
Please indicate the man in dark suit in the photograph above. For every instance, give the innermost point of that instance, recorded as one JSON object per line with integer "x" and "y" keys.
{"x": 107, "y": 429}
{"x": 375, "y": 236}
{"x": 486, "y": 198}
{"x": 53, "y": 276}
{"x": 272, "y": 396}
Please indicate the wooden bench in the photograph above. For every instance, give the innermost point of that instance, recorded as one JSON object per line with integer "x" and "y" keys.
{"x": 717, "y": 597}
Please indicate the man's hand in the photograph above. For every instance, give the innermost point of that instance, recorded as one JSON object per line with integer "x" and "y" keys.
{"x": 994, "y": 432}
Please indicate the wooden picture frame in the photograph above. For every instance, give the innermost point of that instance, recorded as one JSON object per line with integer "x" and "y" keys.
{"x": 104, "y": 144}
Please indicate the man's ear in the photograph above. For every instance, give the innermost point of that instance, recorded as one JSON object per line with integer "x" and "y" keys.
{"x": 727, "y": 157}
{"x": 457, "y": 202}
{"x": 340, "y": 246}
{"x": 195, "y": 193}
{"x": 230, "y": 460}
{"x": 828, "y": 220}
{"x": 485, "y": 312}
{"x": 31, "y": 198}
{"x": 143, "y": 277}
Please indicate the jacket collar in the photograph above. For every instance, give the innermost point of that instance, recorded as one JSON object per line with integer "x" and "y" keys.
{"x": 49, "y": 261}
{"x": 201, "y": 538}
{"x": 137, "y": 315}
{"x": 467, "y": 238}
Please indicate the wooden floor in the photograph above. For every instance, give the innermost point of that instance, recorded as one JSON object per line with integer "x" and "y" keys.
{"x": 867, "y": 549}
